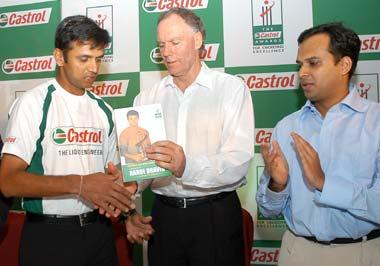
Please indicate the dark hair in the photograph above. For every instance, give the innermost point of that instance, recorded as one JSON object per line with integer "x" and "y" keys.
{"x": 81, "y": 29}
{"x": 190, "y": 19}
{"x": 343, "y": 41}
{"x": 132, "y": 113}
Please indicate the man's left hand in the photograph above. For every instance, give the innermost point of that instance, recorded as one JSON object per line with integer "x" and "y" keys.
{"x": 310, "y": 163}
{"x": 168, "y": 155}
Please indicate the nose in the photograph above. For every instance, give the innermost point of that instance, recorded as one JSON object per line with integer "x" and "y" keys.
{"x": 93, "y": 65}
{"x": 302, "y": 71}
{"x": 165, "y": 50}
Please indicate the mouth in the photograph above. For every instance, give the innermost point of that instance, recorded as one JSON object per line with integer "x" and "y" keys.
{"x": 90, "y": 78}
{"x": 307, "y": 85}
{"x": 169, "y": 61}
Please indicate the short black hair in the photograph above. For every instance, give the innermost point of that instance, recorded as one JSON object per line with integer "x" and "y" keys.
{"x": 343, "y": 41}
{"x": 132, "y": 113}
{"x": 81, "y": 29}
{"x": 190, "y": 19}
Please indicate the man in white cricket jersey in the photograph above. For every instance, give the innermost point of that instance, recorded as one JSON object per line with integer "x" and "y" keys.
{"x": 60, "y": 155}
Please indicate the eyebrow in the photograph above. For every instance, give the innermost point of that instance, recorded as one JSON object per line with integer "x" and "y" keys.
{"x": 307, "y": 59}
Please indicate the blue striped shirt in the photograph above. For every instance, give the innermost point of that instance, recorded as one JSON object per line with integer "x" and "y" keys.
{"x": 347, "y": 140}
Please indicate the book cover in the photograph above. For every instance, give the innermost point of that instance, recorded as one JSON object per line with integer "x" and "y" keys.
{"x": 137, "y": 128}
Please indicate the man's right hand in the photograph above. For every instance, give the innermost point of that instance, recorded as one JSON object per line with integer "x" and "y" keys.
{"x": 138, "y": 228}
{"x": 275, "y": 165}
{"x": 106, "y": 194}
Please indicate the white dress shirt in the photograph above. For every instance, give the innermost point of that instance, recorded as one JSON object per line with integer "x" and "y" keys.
{"x": 213, "y": 122}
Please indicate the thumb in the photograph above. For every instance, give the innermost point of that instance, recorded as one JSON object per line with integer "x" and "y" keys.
{"x": 146, "y": 219}
{"x": 111, "y": 168}
{"x": 111, "y": 177}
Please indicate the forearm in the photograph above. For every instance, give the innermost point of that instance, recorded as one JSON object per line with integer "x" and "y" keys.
{"x": 275, "y": 187}
{"x": 24, "y": 184}
{"x": 360, "y": 200}
{"x": 216, "y": 171}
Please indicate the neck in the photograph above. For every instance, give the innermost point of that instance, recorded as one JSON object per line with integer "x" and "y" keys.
{"x": 68, "y": 87}
{"x": 324, "y": 107}
{"x": 183, "y": 82}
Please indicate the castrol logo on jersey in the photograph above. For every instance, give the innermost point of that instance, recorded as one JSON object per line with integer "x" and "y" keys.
{"x": 271, "y": 81}
{"x": 110, "y": 88}
{"x": 155, "y": 6}
{"x": 28, "y": 65}
{"x": 77, "y": 136}
{"x": 25, "y": 18}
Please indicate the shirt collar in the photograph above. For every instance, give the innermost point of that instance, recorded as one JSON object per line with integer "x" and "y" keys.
{"x": 203, "y": 79}
{"x": 352, "y": 101}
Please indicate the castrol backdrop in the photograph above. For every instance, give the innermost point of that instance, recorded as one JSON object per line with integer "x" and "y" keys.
{"x": 256, "y": 40}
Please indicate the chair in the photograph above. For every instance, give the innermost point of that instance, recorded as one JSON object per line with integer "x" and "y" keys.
{"x": 248, "y": 236}
{"x": 10, "y": 238}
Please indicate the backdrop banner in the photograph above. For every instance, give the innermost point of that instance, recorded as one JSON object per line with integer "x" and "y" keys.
{"x": 255, "y": 40}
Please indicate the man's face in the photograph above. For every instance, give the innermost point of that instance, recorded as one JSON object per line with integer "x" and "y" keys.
{"x": 178, "y": 45}
{"x": 133, "y": 120}
{"x": 81, "y": 67}
{"x": 320, "y": 75}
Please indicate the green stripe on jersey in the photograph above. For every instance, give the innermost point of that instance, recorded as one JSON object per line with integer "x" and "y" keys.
{"x": 36, "y": 167}
{"x": 105, "y": 109}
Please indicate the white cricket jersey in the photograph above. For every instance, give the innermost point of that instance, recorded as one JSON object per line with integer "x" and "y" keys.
{"x": 58, "y": 133}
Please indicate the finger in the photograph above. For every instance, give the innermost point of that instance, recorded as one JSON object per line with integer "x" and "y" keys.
{"x": 297, "y": 142}
{"x": 120, "y": 207}
{"x": 101, "y": 211}
{"x": 146, "y": 219}
{"x": 131, "y": 239}
{"x": 105, "y": 206}
{"x": 158, "y": 151}
{"x": 164, "y": 143}
{"x": 277, "y": 149}
{"x": 123, "y": 194}
{"x": 265, "y": 149}
{"x": 131, "y": 187}
{"x": 111, "y": 168}
{"x": 267, "y": 154}
{"x": 116, "y": 203}
{"x": 137, "y": 239}
{"x": 302, "y": 143}
{"x": 165, "y": 165}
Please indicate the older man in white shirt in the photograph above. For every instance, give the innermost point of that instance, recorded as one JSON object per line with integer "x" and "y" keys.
{"x": 210, "y": 128}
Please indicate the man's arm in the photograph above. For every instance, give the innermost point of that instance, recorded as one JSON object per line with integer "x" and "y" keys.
{"x": 229, "y": 163}
{"x": 358, "y": 196}
{"x": 99, "y": 189}
{"x": 348, "y": 194}
{"x": 273, "y": 190}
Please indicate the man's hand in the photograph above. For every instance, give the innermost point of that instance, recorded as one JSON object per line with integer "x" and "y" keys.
{"x": 104, "y": 191}
{"x": 275, "y": 165}
{"x": 138, "y": 157}
{"x": 309, "y": 161}
{"x": 168, "y": 155}
{"x": 138, "y": 228}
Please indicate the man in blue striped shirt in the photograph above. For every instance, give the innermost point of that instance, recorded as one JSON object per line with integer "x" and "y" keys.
{"x": 322, "y": 168}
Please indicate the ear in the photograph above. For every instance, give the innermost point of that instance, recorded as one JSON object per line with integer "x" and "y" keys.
{"x": 198, "y": 40}
{"x": 58, "y": 56}
{"x": 346, "y": 65}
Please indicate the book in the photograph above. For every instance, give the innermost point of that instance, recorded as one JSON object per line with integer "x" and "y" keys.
{"x": 137, "y": 128}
